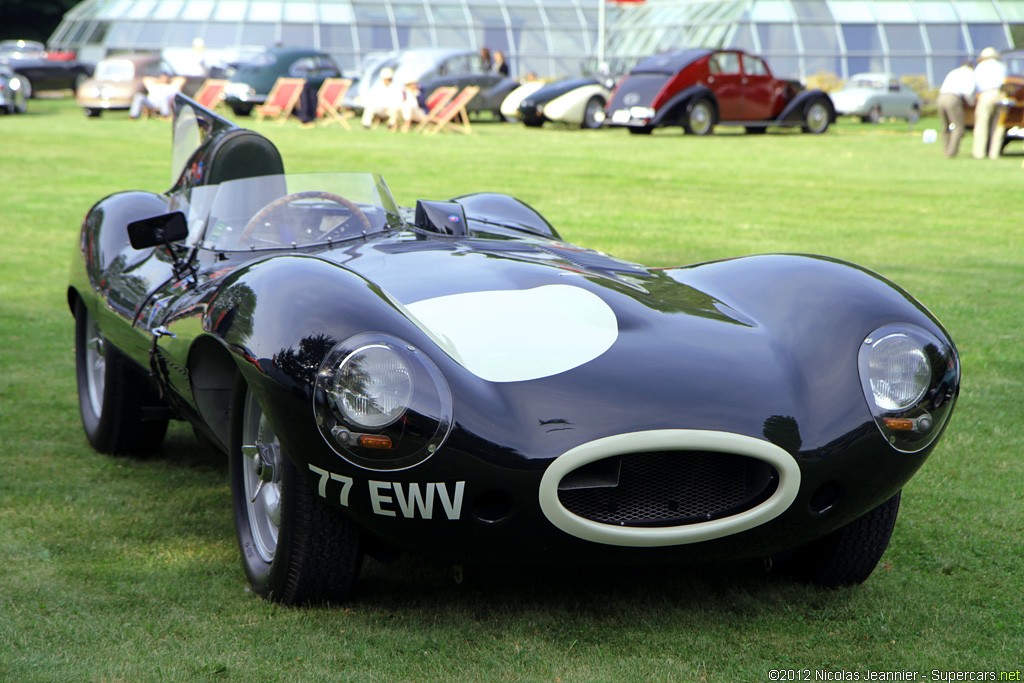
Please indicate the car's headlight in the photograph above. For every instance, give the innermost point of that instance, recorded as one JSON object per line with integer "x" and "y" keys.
{"x": 911, "y": 380}
{"x": 380, "y": 403}
{"x": 641, "y": 112}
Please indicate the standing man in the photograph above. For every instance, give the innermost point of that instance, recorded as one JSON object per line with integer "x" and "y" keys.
{"x": 956, "y": 91}
{"x": 989, "y": 75}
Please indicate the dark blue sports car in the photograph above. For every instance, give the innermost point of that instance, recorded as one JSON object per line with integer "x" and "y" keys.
{"x": 456, "y": 381}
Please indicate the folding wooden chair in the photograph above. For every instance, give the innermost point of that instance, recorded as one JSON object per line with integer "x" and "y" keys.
{"x": 329, "y": 97}
{"x": 281, "y": 100}
{"x": 444, "y": 119}
{"x": 211, "y": 93}
{"x": 440, "y": 97}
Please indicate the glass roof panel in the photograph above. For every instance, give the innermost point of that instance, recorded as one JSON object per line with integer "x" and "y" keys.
{"x": 300, "y": 12}
{"x": 812, "y": 9}
{"x": 114, "y": 10}
{"x": 141, "y": 9}
{"x": 770, "y": 10}
{"x": 935, "y": 11}
{"x": 198, "y": 10}
{"x": 168, "y": 9}
{"x": 851, "y": 11}
{"x": 893, "y": 11}
{"x": 977, "y": 10}
{"x": 230, "y": 10}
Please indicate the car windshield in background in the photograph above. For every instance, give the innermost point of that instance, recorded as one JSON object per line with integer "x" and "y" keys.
{"x": 287, "y": 211}
{"x": 114, "y": 70}
{"x": 872, "y": 83}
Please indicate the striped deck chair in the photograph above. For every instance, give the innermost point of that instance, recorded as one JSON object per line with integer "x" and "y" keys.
{"x": 211, "y": 93}
{"x": 444, "y": 119}
{"x": 329, "y": 107}
{"x": 281, "y": 100}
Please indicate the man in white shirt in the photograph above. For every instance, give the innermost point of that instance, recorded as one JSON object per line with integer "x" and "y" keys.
{"x": 383, "y": 99}
{"x": 957, "y": 90}
{"x": 989, "y": 75}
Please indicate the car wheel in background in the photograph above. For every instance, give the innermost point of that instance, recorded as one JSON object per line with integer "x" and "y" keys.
{"x": 26, "y": 86}
{"x": 847, "y": 556}
{"x": 816, "y": 117}
{"x": 646, "y": 130}
{"x": 241, "y": 109}
{"x": 295, "y": 548}
{"x": 913, "y": 116}
{"x": 700, "y": 118}
{"x": 593, "y": 115}
{"x": 112, "y": 397}
{"x": 92, "y": 113}
{"x": 875, "y": 115}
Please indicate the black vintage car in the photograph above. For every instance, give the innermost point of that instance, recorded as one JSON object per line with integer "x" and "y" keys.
{"x": 458, "y": 382}
{"x": 40, "y": 71}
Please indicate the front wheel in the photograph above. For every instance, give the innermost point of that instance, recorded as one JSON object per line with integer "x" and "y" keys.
{"x": 700, "y": 118}
{"x": 295, "y": 548}
{"x": 847, "y": 556}
{"x": 112, "y": 396}
{"x": 816, "y": 118}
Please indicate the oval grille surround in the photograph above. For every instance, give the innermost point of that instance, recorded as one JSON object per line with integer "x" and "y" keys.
{"x": 672, "y": 488}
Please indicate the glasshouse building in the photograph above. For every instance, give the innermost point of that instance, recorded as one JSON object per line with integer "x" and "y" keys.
{"x": 800, "y": 38}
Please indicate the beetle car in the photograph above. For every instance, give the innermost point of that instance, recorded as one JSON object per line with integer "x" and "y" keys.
{"x": 577, "y": 101}
{"x": 699, "y": 89}
{"x": 456, "y": 381}
{"x": 873, "y": 97}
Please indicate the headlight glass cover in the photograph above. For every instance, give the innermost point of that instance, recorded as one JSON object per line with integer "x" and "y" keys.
{"x": 380, "y": 403}
{"x": 911, "y": 379}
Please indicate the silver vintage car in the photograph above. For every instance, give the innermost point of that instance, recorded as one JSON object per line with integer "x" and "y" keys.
{"x": 876, "y": 96}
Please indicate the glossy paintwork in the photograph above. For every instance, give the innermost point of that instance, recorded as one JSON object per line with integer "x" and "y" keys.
{"x": 763, "y": 347}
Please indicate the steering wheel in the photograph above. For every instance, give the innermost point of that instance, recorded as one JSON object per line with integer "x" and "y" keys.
{"x": 299, "y": 196}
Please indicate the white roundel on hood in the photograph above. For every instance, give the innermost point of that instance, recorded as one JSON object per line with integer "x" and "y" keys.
{"x": 518, "y": 335}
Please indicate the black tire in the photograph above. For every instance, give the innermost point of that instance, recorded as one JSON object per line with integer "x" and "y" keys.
{"x": 914, "y": 116}
{"x": 241, "y": 109}
{"x": 113, "y": 397}
{"x": 534, "y": 123}
{"x": 847, "y": 556}
{"x": 817, "y": 117}
{"x": 645, "y": 130}
{"x": 295, "y": 548}
{"x": 91, "y": 113}
{"x": 875, "y": 115}
{"x": 756, "y": 130}
{"x": 591, "y": 120}
{"x": 700, "y": 118}
{"x": 26, "y": 87}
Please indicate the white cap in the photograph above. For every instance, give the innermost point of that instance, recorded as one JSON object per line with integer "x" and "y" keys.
{"x": 387, "y": 72}
{"x": 989, "y": 53}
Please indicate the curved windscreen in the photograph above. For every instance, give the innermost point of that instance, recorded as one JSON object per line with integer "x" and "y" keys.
{"x": 287, "y": 211}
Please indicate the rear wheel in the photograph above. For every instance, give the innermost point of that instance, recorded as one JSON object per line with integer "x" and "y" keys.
{"x": 847, "y": 556}
{"x": 593, "y": 115}
{"x": 816, "y": 117}
{"x": 295, "y": 548}
{"x": 700, "y": 118}
{"x": 112, "y": 396}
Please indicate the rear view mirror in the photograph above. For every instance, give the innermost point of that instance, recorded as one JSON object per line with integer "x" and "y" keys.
{"x": 164, "y": 229}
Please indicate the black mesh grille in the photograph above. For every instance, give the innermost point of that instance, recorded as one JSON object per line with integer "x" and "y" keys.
{"x": 672, "y": 488}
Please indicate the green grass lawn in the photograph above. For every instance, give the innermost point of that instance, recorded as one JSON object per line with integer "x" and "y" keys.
{"x": 116, "y": 570}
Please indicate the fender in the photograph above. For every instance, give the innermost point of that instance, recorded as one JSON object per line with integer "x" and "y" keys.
{"x": 794, "y": 111}
{"x": 673, "y": 108}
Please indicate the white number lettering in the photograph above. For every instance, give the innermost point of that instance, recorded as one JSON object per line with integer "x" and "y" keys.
{"x": 415, "y": 500}
{"x": 325, "y": 476}
{"x": 377, "y": 498}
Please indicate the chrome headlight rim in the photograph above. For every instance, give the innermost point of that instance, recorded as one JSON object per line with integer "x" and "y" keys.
{"x": 416, "y": 422}
{"x": 911, "y": 379}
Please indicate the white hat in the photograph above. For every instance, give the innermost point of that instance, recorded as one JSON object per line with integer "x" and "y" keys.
{"x": 387, "y": 72}
{"x": 989, "y": 53}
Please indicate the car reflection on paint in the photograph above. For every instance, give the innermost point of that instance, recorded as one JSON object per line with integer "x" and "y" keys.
{"x": 456, "y": 381}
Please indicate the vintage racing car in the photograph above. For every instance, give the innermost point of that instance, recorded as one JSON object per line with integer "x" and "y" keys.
{"x": 576, "y": 101}
{"x": 458, "y": 382}
{"x": 699, "y": 89}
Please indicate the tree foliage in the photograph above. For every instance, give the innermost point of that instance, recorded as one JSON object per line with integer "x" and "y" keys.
{"x": 32, "y": 19}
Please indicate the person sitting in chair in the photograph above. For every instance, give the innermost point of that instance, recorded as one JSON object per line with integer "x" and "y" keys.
{"x": 159, "y": 95}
